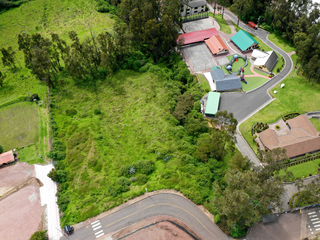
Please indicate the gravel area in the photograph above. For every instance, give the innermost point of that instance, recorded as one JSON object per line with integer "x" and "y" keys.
{"x": 48, "y": 197}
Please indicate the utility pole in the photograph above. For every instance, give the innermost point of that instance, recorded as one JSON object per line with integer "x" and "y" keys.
{"x": 258, "y": 21}
{"x": 147, "y": 192}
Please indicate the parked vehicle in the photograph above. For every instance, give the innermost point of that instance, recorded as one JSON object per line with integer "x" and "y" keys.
{"x": 68, "y": 229}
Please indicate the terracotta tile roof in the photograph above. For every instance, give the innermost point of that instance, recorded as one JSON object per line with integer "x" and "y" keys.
{"x": 299, "y": 148}
{"x": 269, "y": 138}
{"x": 304, "y": 123}
{"x": 216, "y": 44}
{"x": 6, "y": 157}
{"x": 198, "y": 36}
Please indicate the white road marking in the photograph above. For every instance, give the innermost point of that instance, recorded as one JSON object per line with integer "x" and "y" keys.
{"x": 311, "y": 213}
{"x": 314, "y": 219}
{"x": 96, "y": 233}
{"x": 103, "y": 234}
{"x": 97, "y": 228}
{"x": 312, "y": 232}
{"x": 97, "y": 224}
{"x": 94, "y": 222}
{"x": 316, "y": 222}
{"x": 313, "y": 216}
{"x": 317, "y": 229}
{"x": 317, "y": 225}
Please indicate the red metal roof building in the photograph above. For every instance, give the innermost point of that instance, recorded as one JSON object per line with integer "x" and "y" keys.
{"x": 252, "y": 25}
{"x": 216, "y": 45}
{"x": 6, "y": 157}
{"x": 198, "y": 36}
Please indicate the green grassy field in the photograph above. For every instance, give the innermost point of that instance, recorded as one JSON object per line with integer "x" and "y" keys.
{"x": 303, "y": 169}
{"x": 30, "y": 155}
{"x": 316, "y": 123}
{"x": 286, "y": 102}
{"x": 19, "y": 125}
{"x": 224, "y": 27}
{"x": 282, "y": 43}
{"x": 252, "y": 83}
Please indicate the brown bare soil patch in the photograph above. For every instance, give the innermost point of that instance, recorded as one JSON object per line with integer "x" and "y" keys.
{"x": 21, "y": 213}
{"x": 157, "y": 228}
{"x": 13, "y": 176}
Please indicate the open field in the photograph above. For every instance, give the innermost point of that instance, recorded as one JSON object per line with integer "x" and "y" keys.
{"x": 19, "y": 125}
{"x": 30, "y": 155}
{"x": 303, "y": 169}
{"x": 286, "y": 102}
{"x": 316, "y": 123}
{"x": 224, "y": 27}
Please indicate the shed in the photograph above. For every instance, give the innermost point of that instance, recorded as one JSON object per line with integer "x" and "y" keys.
{"x": 216, "y": 45}
{"x": 244, "y": 40}
{"x": 198, "y": 36}
{"x": 265, "y": 61}
{"x": 6, "y": 157}
{"x": 212, "y": 103}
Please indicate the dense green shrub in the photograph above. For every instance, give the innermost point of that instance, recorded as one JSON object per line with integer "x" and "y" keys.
{"x": 97, "y": 111}
{"x": 39, "y": 235}
{"x": 144, "y": 166}
{"x": 238, "y": 232}
{"x": 1, "y": 149}
{"x": 71, "y": 112}
{"x": 259, "y": 127}
{"x": 98, "y": 167}
{"x": 290, "y": 116}
{"x": 216, "y": 218}
{"x": 63, "y": 202}
{"x": 141, "y": 179}
{"x": 34, "y": 96}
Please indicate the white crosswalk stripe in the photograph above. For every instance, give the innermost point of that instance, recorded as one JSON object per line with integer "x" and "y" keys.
{"x": 95, "y": 226}
{"x": 316, "y": 222}
{"x": 316, "y": 226}
{"x": 313, "y": 216}
{"x": 314, "y": 219}
{"x": 311, "y": 213}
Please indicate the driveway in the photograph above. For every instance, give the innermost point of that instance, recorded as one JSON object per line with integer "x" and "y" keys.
{"x": 160, "y": 204}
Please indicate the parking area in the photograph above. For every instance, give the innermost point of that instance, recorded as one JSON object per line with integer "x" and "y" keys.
{"x": 199, "y": 56}
{"x": 198, "y": 25}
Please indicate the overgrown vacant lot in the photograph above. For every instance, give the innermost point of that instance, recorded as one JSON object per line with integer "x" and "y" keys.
{"x": 19, "y": 125}
{"x": 118, "y": 124}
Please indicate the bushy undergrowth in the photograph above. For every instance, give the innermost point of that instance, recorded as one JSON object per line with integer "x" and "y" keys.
{"x": 134, "y": 142}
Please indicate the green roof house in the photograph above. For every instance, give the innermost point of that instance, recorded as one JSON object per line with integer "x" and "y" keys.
{"x": 212, "y": 105}
{"x": 244, "y": 41}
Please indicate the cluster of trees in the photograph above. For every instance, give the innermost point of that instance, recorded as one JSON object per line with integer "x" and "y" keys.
{"x": 7, "y": 4}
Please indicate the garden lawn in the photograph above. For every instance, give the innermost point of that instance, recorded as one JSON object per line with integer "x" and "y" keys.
{"x": 19, "y": 125}
{"x": 316, "y": 123}
{"x": 298, "y": 95}
{"x": 224, "y": 27}
{"x": 303, "y": 169}
{"x": 30, "y": 155}
{"x": 44, "y": 16}
{"x": 282, "y": 43}
{"x": 252, "y": 83}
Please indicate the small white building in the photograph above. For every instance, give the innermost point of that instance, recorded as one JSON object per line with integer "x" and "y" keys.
{"x": 264, "y": 61}
{"x": 192, "y": 7}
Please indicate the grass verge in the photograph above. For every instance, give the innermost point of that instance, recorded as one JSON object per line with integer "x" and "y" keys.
{"x": 282, "y": 43}
{"x": 204, "y": 82}
{"x": 224, "y": 27}
{"x": 252, "y": 83}
{"x": 30, "y": 155}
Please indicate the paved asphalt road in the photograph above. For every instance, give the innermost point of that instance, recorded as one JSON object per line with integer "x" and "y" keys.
{"x": 161, "y": 204}
{"x": 242, "y": 104}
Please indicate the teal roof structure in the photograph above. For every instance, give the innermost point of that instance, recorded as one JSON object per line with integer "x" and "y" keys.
{"x": 243, "y": 40}
{"x": 212, "y": 103}
{"x": 214, "y": 68}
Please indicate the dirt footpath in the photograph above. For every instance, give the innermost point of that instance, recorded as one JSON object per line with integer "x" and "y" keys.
{"x": 21, "y": 213}
{"x": 13, "y": 176}
{"x": 157, "y": 228}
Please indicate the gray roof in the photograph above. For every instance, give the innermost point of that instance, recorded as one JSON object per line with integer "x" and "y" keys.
{"x": 272, "y": 61}
{"x": 195, "y": 3}
{"x": 217, "y": 75}
{"x": 225, "y": 82}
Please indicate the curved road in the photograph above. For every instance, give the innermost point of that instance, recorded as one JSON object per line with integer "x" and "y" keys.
{"x": 242, "y": 105}
{"x": 159, "y": 204}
